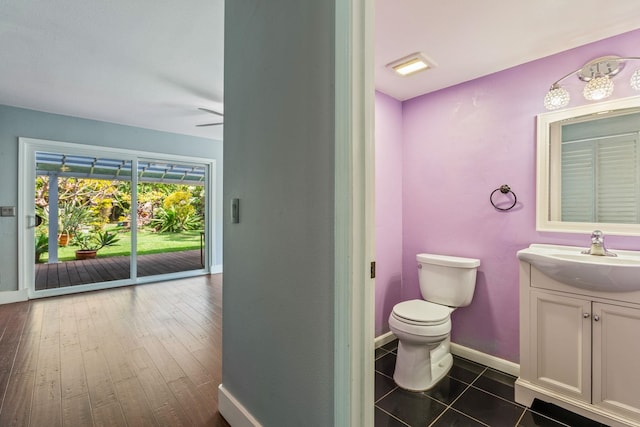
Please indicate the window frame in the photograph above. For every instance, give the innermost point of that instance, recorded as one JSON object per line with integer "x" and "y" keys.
{"x": 548, "y": 171}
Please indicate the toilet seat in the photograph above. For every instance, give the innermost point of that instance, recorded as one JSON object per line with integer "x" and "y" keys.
{"x": 421, "y": 313}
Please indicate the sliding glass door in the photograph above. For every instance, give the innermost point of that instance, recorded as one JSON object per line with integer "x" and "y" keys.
{"x": 171, "y": 217}
{"x": 78, "y": 200}
{"x": 95, "y": 224}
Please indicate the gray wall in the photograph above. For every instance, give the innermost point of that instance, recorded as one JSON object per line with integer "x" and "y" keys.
{"x": 17, "y": 122}
{"x": 279, "y": 160}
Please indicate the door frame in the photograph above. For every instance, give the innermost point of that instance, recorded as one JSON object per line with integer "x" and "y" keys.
{"x": 354, "y": 214}
{"x": 27, "y": 147}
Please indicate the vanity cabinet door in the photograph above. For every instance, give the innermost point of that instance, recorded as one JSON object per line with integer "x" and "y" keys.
{"x": 616, "y": 358}
{"x": 561, "y": 343}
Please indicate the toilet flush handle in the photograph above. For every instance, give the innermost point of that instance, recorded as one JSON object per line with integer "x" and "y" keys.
{"x": 419, "y": 266}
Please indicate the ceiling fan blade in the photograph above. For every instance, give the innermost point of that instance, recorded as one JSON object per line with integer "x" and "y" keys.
{"x": 211, "y": 111}
{"x": 210, "y": 124}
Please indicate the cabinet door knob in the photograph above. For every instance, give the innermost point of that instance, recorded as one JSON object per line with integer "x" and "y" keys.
{"x": 586, "y": 315}
{"x": 596, "y": 317}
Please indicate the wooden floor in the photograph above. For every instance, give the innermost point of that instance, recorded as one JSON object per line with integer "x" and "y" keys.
{"x": 105, "y": 269}
{"x": 148, "y": 355}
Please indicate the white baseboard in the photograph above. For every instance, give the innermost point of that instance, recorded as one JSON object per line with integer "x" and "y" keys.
{"x": 8, "y": 297}
{"x": 468, "y": 353}
{"x": 486, "y": 359}
{"x": 384, "y": 339}
{"x": 233, "y": 411}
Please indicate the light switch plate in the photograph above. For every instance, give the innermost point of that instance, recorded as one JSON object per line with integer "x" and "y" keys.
{"x": 7, "y": 211}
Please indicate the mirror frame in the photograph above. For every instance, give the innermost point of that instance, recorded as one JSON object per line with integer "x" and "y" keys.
{"x": 545, "y": 174}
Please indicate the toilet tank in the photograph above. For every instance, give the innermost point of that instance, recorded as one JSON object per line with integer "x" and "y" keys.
{"x": 447, "y": 280}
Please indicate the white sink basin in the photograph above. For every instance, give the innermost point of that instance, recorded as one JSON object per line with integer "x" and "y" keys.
{"x": 597, "y": 273}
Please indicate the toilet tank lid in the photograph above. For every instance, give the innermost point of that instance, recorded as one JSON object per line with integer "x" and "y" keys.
{"x": 448, "y": 261}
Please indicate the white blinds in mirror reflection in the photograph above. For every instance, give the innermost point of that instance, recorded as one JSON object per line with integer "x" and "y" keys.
{"x": 600, "y": 179}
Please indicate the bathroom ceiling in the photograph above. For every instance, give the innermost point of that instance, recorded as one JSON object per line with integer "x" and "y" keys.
{"x": 153, "y": 64}
{"x": 469, "y": 39}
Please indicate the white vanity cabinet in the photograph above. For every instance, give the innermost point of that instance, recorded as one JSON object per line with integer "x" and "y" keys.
{"x": 616, "y": 358}
{"x": 561, "y": 334}
{"x": 579, "y": 349}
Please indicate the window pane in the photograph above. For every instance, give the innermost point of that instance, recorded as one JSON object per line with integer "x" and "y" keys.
{"x": 80, "y": 239}
{"x": 170, "y": 216}
{"x": 600, "y": 179}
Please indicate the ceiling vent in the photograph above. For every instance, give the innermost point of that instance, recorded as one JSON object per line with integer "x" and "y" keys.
{"x": 411, "y": 64}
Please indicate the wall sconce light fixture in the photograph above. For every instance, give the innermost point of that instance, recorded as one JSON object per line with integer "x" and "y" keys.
{"x": 598, "y": 74}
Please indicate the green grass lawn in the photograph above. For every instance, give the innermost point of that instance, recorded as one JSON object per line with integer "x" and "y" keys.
{"x": 148, "y": 243}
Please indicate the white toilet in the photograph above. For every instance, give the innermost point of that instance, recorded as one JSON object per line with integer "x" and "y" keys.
{"x": 423, "y": 326}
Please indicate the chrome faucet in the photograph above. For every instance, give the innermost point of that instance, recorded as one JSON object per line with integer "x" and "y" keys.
{"x": 597, "y": 245}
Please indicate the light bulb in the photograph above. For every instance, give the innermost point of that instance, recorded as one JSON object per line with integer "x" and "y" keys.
{"x": 598, "y": 88}
{"x": 635, "y": 80}
{"x": 557, "y": 97}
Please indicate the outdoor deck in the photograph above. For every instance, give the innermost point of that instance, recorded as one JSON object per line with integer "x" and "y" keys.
{"x": 70, "y": 273}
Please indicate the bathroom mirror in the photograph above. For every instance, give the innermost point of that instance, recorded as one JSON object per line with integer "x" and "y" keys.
{"x": 588, "y": 168}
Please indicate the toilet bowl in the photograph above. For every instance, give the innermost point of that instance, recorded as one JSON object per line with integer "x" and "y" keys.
{"x": 423, "y": 327}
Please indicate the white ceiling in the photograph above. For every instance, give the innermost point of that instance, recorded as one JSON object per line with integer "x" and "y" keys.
{"x": 152, "y": 63}
{"x": 147, "y": 63}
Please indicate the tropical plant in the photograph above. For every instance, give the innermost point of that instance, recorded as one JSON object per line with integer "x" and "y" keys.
{"x": 43, "y": 212}
{"x": 169, "y": 220}
{"x": 72, "y": 217}
{"x": 198, "y": 199}
{"x": 101, "y": 211}
{"x": 94, "y": 241}
{"x": 177, "y": 214}
{"x": 181, "y": 202}
{"x": 165, "y": 221}
{"x": 42, "y": 245}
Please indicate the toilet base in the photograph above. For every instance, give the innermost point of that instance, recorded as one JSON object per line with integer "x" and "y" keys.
{"x": 420, "y": 368}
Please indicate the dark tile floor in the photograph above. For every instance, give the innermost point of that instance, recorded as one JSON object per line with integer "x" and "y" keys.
{"x": 471, "y": 395}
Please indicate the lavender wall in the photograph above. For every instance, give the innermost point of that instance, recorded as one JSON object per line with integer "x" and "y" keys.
{"x": 461, "y": 143}
{"x": 388, "y": 134}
